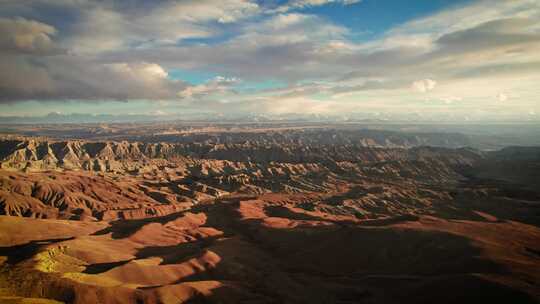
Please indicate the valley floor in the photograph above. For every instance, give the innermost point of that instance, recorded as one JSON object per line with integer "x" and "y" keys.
{"x": 268, "y": 249}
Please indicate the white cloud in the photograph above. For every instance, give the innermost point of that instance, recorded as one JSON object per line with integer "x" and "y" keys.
{"x": 502, "y": 97}
{"x": 102, "y": 27}
{"x": 218, "y": 85}
{"x": 159, "y": 113}
{"x": 224, "y": 11}
{"x": 148, "y": 72}
{"x": 424, "y": 85}
{"x": 450, "y": 99}
{"x": 289, "y": 28}
{"x": 300, "y": 4}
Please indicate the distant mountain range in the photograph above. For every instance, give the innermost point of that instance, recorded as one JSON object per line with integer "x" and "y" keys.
{"x": 367, "y": 118}
{"x": 54, "y": 117}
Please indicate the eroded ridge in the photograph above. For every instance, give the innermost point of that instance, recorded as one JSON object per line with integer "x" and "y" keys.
{"x": 317, "y": 224}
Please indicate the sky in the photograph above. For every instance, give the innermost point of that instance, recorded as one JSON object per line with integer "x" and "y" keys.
{"x": 432, "y": 60}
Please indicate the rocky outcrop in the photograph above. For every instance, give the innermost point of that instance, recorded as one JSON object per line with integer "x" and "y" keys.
{"x": 137, "y": 180}
{"x": 125, "y": 156}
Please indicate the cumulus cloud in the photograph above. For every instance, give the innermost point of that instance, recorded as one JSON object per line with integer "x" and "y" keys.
{"x": 424, "y": 85}
{"x": 101, "y": 28}
{"x": 20, "y": 35}
{"x": 122, "y": 50}
{"x": 502, "y": 97}
{"x": 450, "y": 99}
{"x": 217, "y": 85}
{"x": 65, "y": 78}
{"x": 275, "y": 47}
{"x": 159, "y": 113}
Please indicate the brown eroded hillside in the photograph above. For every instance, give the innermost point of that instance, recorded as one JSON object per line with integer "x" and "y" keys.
{"x": 245, "y": 223}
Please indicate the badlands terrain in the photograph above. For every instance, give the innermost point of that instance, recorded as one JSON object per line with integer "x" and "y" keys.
{"x": 266, "y": 213}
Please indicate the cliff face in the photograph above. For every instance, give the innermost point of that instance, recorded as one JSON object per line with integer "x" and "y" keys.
{"x": 112, "y": 156}
{"x": 93, "y": 156}
{"x": 157, "y": 174}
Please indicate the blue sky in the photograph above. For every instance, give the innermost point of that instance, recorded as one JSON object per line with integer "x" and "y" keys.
{"x": 371, "y": 18}
{"x": 456, "y": 60}
{"x": 192, "y": 76}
